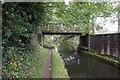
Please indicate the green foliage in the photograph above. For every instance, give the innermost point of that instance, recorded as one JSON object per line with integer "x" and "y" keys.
{"x": 79, "y": 14}
{"x": 48, "y": 42}
{"x": 71, "y": 39}
{"x": 21, "y": 21}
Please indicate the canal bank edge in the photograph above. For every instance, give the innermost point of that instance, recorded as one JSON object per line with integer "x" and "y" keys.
{"x": 115, "y": 62}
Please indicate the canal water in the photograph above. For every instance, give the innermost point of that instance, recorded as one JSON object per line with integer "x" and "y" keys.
{"x": 80, "y": 66}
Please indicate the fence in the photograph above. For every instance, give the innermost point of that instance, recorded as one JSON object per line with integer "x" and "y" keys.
{"x": 108, "y": 44}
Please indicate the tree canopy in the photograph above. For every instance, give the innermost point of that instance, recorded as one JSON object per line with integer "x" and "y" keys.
{"x": 20, "y": 22}
{"x": 79, "y": 15}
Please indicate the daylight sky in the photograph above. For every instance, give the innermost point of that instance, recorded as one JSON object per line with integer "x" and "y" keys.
{"x": 109, "y": 24}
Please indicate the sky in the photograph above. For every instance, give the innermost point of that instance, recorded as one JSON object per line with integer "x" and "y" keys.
{"x": 109, "y": 24}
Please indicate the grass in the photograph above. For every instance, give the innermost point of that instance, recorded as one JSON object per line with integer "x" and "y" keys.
{"x": 58, "y": 69}
{"x": 38, "y": 64}
{"x": 110, "y": 60}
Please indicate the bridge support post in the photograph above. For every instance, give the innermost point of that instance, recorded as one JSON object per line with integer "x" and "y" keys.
{"x": 118, "y": 45}
{"x": 83, "y": 42}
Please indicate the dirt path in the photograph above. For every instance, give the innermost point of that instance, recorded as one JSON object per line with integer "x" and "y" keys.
{"x": 47, "y": 70}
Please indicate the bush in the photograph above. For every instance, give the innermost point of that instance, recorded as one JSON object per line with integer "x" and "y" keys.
{"x": 21, "y": 21}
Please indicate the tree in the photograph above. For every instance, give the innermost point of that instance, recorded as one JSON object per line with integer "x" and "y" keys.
{"x": 81, "y": 14}
{"x": 20, "y": 22}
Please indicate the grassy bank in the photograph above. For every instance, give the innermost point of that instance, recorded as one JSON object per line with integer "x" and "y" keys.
{"x": 109, "y": 60}
{"x": 58, "y": 69}
{"x": 36, "y": 68}
{"x": 39, "y": 63}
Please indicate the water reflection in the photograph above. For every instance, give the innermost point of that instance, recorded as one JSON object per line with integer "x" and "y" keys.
{"x": 71, "y": 59}
{"x": 68, "y": 54}
{"x": 81, "y": 66}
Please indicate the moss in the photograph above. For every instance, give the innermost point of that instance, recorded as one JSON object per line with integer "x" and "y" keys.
{"x": 58, "y": 69}
{"x": 110, "y": 60}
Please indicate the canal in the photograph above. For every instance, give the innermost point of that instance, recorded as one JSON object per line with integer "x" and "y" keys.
{"x": 81, "y": 66}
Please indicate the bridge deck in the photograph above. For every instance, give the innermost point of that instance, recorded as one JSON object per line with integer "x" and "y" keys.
{"x": 61, "y": 33}
{"x": 51, "y": 32}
